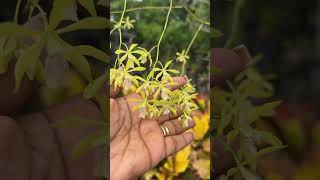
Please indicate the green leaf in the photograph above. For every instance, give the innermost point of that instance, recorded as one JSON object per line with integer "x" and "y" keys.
{"x": 167, "y": 64}
{"x": 27, "y": 59}
{"x": 267, "y": 137}
{"x": 93, "y": 89}
{"x": 14, "y": 30}
{"x": 93, "y": 52}
{"x": 87, "y": 23}
{"x": 32, "y": 3}
{"x": 232, "y": 135}
{"x": 80, "y": 63}
{"x": 173, "y": 71}
{"x": 76, "y": 122}
{"x": 58, "y": 12}
{"x": 89, "y": 6}
{"x": 4, "y": 62}
{"x": 232, "y": 171}
{"x": 139, "y": 69}
{"x": 268, "y": 150}
{"x": 87, "y": 144}
{"x": 247, "y": 174}
{"x": 267, "y": 109}
{"x": 249, "y": 151}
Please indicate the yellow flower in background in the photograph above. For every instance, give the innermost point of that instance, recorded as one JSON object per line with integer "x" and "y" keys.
{"x": 202, "y": 126}
{"x": 149, "y": 175}
{"x": 179, "y": 162}
{"x": 203, "y": 168}
{"x": 154, "y": 174}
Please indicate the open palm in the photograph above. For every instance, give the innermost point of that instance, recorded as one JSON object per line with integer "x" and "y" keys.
{"x": 137, "y": 144}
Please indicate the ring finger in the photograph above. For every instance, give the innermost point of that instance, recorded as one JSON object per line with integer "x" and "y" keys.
{"x": 175, "y": 127}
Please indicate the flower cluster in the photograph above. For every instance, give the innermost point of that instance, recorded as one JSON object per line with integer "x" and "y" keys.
{"x": 157, "y": 97}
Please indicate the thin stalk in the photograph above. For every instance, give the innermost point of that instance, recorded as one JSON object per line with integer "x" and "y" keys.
{"x": 16, "y": 14}
{"x": 183, "y": 68}
{"x": 162, "y": 34}
{"x": 194, "y": 38}
{"x": 119, "y": 29}
{"x": 196, "y": 17}
{"x": 189, "y": 47}
{"x": 235, "y": 23}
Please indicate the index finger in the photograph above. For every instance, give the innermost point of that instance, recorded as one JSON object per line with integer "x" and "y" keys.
{"x": 229, "y": 62}
{"x": 179, "y": 82}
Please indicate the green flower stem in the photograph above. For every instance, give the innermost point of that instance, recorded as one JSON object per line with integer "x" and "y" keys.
{"x": 189, "y": 47}
{"x": 194, "y": 38}
{"x": 235, "y": 23}
{"x": 119, "y": 29}
{"x": 162, "y": 34}
{"x": 16, "y": 14}
{"x": 183, "y": 68}
{"x": 147, "y": 8}
{"x": 196, "y": 17}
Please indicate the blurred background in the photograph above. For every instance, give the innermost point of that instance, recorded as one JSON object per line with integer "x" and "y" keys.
{"x": 287, "y": 35}
{"x": 74, "y": 83}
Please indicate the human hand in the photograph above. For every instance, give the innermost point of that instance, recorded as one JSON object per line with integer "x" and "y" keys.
{"x": 137, "y": 144}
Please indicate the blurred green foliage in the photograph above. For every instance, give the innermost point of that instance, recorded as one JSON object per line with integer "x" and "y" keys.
{"x": 181, "y": 26}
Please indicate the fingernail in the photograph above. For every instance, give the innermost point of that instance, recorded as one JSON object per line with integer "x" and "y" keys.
{"x": 193, "y": 135}
{"x": 244, "y": 54}
{"x": 191, "y": 123}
